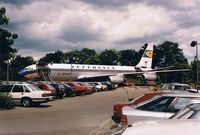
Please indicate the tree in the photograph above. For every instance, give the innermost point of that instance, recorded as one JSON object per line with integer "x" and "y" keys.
{"x": 85, "y": 53}
{"x": 6, "y": 42}
{"x": 128, "y": 57}
{"x": 57, "y": 57}
{"x": 73, "y": 57}
{"x": 18, "y": 64}
{"x": 93, "y": 59}
{"x": 109, "y": 57}
{"x": 168, "y": 54}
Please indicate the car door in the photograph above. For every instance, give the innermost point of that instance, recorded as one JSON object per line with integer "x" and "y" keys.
{"x": 17, "y": 93}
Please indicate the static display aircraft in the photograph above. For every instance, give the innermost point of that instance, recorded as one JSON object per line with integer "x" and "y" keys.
{"x": 115, "y": 74}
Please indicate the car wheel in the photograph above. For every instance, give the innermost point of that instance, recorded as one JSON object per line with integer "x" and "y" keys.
{"x": 26, "y": 102}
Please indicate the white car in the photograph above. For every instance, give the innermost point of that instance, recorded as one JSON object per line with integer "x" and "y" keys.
{"x": 178, "y": 87}
{"x": 159, "y": 107}
{"x": 26, "y": 94}
{"x": 100, "y": 86}
{"x": 164, "y": 127}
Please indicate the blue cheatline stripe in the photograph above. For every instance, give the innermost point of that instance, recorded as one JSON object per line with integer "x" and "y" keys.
{"x": 26, "y": 72}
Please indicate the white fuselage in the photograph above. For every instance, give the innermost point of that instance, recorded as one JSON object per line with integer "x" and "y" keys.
{"x": 78, "y": 71}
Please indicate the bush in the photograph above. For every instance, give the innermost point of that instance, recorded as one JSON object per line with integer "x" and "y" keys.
{"x": 6, "y": 101}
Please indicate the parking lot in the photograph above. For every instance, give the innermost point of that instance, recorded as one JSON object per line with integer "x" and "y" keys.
{"x": 72, "y": 115}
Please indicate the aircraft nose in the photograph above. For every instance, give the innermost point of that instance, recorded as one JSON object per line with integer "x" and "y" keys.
{"x": 22, "y": 73}
{"x": 28, "y": 74}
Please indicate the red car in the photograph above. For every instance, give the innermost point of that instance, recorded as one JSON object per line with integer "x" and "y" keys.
{"x": 80, "y": 90}
{"x": 117, "y": 107}
{"x": 46, "y": 87}
{"x": 89, "y": 88}
{"x": 127, "y": 83}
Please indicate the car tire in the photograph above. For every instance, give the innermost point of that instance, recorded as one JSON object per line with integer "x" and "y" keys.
{"x": 26, "y": 102}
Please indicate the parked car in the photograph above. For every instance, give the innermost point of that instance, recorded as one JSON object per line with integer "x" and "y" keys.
{"x": 25, "y": 93}
{"x": 69, "y": 91}
{"x": 163, "y": 127}
{"x": 45, "y": 87}
{"x": 109, "y": 85}
{"x": 80, "y": 90}
{"x": 178, "y": 87}
{"x": 159, "y": 107}
{"x": 100, "y": 86}
{"x": 60, "y": 89}
{"x": 89, "y": 88}
{"x": 117, "y": 107}
{"x": 191, "y": 111}
{"x": 128, "y": 83}
{"x": 91, "y": 85}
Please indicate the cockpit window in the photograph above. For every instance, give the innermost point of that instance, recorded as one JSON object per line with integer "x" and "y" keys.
{"x": 28, "y": 68}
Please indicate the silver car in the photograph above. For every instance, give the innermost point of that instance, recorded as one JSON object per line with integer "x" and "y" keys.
{"x": 164, "y": 127}
{"x": 159, "y": 107}
{"x": 191, "y": 111}
{"x": 178, "y": 87}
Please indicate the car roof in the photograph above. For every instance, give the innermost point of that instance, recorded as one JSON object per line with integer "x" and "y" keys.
{"x": 165, "y": 126}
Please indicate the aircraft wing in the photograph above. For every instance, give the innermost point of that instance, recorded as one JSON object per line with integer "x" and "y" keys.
{"x": 130, "y": 73}
{"x": 168, "y": 71}
{"x": 103, "y": 77}
{"x": 155, "y": 71}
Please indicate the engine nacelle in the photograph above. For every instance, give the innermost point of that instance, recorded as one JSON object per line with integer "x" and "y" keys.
{"x": 116, "y": 79}
{"x": 150, "y": 76}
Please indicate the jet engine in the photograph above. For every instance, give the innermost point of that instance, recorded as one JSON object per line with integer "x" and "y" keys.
{"x": 150, "y": 76}
{"x": 116, "y": 79}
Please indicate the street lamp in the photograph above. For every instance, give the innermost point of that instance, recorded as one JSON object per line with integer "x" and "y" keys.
{"x": 193, "y": 44}
{"x": 8, "y": 64}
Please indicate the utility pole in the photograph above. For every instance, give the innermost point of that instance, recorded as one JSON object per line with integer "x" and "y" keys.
{"x": 193, "y": 44}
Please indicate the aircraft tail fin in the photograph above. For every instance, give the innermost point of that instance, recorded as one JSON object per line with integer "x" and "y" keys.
{"x": 146, "y": 60}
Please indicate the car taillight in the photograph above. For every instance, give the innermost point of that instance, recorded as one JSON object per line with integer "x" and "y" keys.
{"x": 124, "y": 120}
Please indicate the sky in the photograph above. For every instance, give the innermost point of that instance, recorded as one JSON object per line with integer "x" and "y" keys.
{"x": 45, "y": 26}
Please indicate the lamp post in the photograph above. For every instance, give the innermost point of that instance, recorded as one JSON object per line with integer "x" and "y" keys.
{"x": 193, "y": 44}
{"x": 8, "y": 64}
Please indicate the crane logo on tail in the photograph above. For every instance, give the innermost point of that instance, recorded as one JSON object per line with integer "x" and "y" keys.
{"x": 148, "y": 54}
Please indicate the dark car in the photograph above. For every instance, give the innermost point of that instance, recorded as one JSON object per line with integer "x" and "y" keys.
{"x": 60, "y": 89}
{"x": 69, "y": 91}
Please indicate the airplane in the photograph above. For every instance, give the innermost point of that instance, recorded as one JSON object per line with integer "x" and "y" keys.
{"x": 83, "y": 72}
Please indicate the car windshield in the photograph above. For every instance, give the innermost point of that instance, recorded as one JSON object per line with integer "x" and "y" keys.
{"x": 50, "y": 87}
{"x": 182, "y": 114}
{"x": 160, "y": 104}
{"x": 188, "y": 87}
{"x": 34, "y": 88}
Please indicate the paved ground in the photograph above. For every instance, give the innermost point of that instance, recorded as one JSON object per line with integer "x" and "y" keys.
{"x": 69, "y": 116}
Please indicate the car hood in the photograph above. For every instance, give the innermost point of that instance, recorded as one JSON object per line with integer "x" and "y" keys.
{"x": 166, "y": 127}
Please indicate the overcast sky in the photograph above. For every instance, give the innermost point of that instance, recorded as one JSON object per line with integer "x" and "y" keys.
{"x": 45, "y": 26}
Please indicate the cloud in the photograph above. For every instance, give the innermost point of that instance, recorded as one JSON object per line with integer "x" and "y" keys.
{"x": 47, "y": 26}
{"x": 174, "y": 4}
{"x": 17, "y": 2}
{"x": 109, "y": 4}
